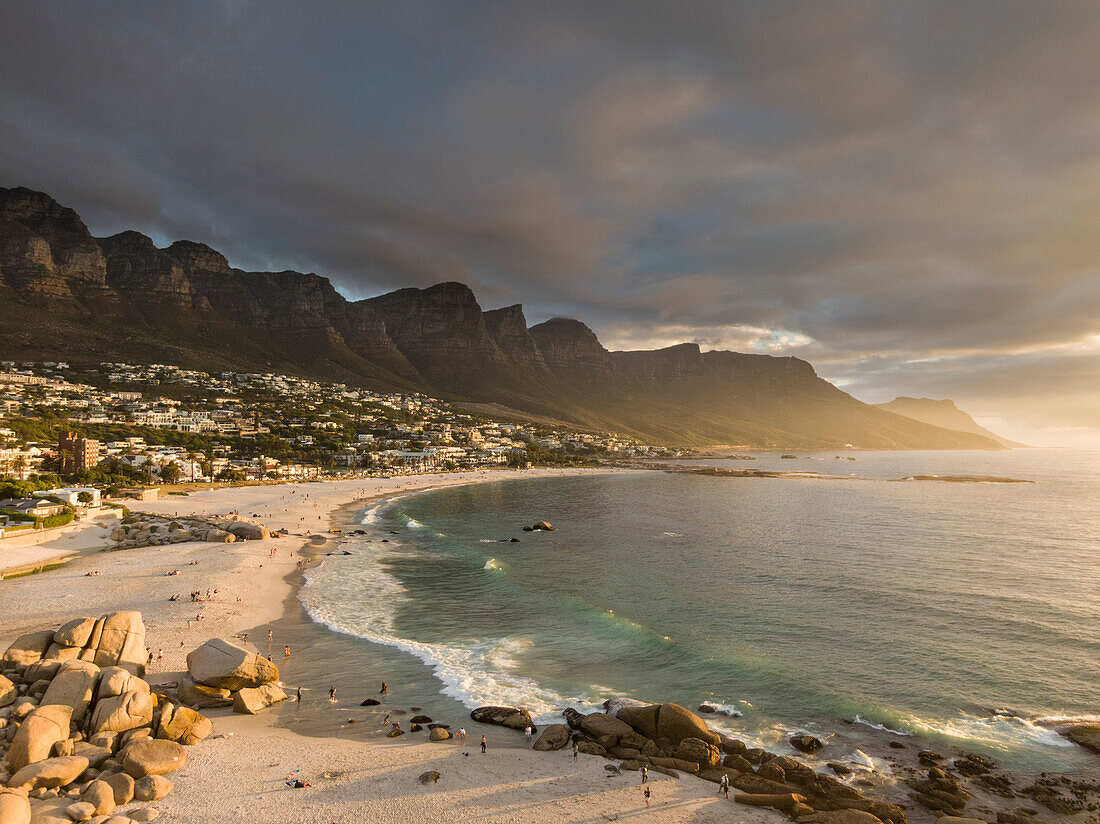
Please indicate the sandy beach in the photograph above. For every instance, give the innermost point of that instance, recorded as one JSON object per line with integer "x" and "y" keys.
{"x": 237, "y": 774}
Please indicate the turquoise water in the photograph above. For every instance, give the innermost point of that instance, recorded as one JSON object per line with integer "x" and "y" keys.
{"x": 964, "y": 613}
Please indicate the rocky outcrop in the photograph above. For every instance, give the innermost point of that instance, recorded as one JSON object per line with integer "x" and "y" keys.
{"x": 79, "y": 735}
{"x": 1085, "y": 735}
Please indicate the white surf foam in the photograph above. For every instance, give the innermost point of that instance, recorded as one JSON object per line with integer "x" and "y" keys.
{"x": 880, "y": 727}
{"x": 997, "y": 731}
{"x": 486, "y": 672}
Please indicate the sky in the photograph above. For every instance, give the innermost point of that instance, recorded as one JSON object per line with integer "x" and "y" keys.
{"x": 906, "y": 194}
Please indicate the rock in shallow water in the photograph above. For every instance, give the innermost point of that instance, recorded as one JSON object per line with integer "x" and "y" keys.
{"x": 805, "y": 743}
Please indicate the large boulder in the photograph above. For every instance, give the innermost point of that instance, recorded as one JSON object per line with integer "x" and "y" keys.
{"x": 40, "y": 730}
{"x": 50, "y": 773}
{"x": 26, "y": 649}
{"x": 780, "y": 801}
{"x": 100, "y": 795}
{"x": 122, "y": 642}
{"x": 840, "y": 817}
{"x": 122, "y": 785}
{"x": 95, "y": 755}
{"x": 75, "y": 633}
{"x": 80, "y": 811}
{"x": 438, "y": 734}
{"x": 187, "y": 726}
{"x": 511, "y": 717}
{"x": 120, "y": 713}
{"x": 74, "y": 685}
{"x": 151, "y": 788}
{"x": 245, "y": 531}
{"x": 251, "y": 700}
{"x": 643, "y": 719}
{"x": 149, "y": 756}
{"x": 14, "y": 807}
{"x": 41, "y": 671}
{"x": 554, "y": 737}
{"x": 117, "y": 680}
{"x": 804, "y": 742}
{"x": 219, "y": 663}
{"x": 677, "y": 723}
{"x": 698, "y": 752}
{"x": 607, "y": 729}
{"x": 8, "y": 692}
{"x": 200, "y": 696}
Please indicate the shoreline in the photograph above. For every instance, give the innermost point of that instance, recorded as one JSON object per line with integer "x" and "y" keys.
{"x": 365, "y": 767}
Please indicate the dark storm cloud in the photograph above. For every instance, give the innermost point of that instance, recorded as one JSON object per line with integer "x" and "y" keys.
{"x": 869, "y": 185}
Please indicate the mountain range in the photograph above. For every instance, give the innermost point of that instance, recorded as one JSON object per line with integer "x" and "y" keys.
{"x": 65, "y": 294}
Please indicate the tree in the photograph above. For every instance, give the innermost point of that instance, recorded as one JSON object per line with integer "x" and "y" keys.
{"x": 170, "y": 473}
{"x": 85, "y": 497}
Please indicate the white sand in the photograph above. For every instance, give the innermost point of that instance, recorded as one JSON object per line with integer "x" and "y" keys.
{"x": 239, "y": 777}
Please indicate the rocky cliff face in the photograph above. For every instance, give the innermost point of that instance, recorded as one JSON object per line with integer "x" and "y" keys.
{"x": 569, "y": 347}
{"x": 65, "y": 294}
{"x": 46, "y": 248}
{"x": 508, "y": 329}
{"x": 441, "y": 330}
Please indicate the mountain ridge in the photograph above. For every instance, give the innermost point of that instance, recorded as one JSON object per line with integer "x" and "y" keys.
{"x": 72, "y": 296}
{"x": 944, "y": 414}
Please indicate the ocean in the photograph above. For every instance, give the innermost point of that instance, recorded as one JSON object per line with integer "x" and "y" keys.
{"x": 856, "y": 604}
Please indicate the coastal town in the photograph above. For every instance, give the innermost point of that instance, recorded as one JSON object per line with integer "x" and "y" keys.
{"x": 114, "y": 430}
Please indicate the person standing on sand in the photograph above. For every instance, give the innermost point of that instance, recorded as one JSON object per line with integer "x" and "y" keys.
{"x": 724, "y": 785}
{"x": 483, "y": 742}
{"x": 527, "y": 733}
{"x": 575, "y": 751}
{"x": 646, "y": 794}
{"x": 645, "y": 773}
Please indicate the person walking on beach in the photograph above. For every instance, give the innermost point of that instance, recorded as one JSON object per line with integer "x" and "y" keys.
{"x": 646, "y": 794}
{"x": 575, "y": 751}
{"x": 270, "y": 635}
{"x": 462, "y": 735}
{"x": 527, "y": 733}
{"x": 286, "y": 651}
{"x": 483, "y": 743}
{"x": 645, "y": 774}
{"x": 724, "y": 785}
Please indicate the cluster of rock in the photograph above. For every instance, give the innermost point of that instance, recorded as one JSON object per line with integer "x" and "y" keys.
{"x": 670, "y": 739}
{"x": 540, "y": 526}
{"x": 144, "y": 529}
{"x": 222, "y": 674}
{"x": 83, "y": 734}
